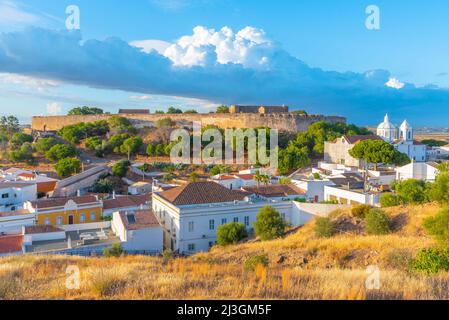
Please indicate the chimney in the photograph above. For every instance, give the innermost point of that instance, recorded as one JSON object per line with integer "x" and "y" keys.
{"x": 78, "y": 193}
{"x": 113, "y": 194}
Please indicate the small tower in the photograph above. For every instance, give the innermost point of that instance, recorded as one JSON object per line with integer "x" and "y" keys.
{"x": 406, "y": 131}
{"x": 387, "y": 130}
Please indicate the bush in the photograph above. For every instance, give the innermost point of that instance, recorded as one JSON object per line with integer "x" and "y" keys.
{"x": 120, "y": 169}
{"x": 114, "y": 251}
{"x": 431, "y": 260}
{"x": 93, "y": 143}
{"x": 360, "y": 211}
{"x": 120, "y": 125}
{"x": 231, "y": 233}
{"x": 269, "y": 224}
{"x": 412, "y": 191}
{"x": 60, "y": 151}
{"x": 377, "y": 222}
{"x": 103, "y": 185}
{"x": 45, "y": 144}
{"x": 164, "y": 123}
{"x": 20, "y": 138}
{"x": 252, "y": 262}
{"x": 439, "y": 191}
{"x": 324, "y": 227}
{"x": 131, "y": 146}
{"x": 150, "y": 150}
{"x": 167, "y": 255}
{"x": 389, "y": 200}
{"x": 67, "y": 167}
{"x": 24, "y": 153}
{"x": 438, "y": 226}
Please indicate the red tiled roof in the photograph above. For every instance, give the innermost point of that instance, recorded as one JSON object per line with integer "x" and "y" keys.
{"x": 275, "y": 190}
{"x": 126, "y": 201}
{"x": 11, "y": 244}
{"x": 27, "y": 175}
{"x": 226, "y": 177}
{"x": 143, "y": 219}
{"x": 202, "y": 192}
{"x": 14, "y": 213}
{"x": 45, "y": 187}
{"x": 246, "y": 176}
{"x": 60, "y": 202}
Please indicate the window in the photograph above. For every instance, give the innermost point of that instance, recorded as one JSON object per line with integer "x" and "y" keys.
{"x": 236, "y": 219}
{"x": 211, "y": 224}
{"x": 191, "y": 247}
{"x": 191, "y": 226}
{"x": 247, "y": 221}
{"x": 5, "y": 196}
{"x": 93, "y": 216}
{"x": 47, "y": 221}
{"x": 224, "y": 221}
{"x": 59, "y": 221}
{"x": 82, "y": 218}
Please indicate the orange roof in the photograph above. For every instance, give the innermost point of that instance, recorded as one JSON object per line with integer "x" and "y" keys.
{"x": 27, "y": 175}
{"x": 226, "y": 177}
{"x": 11, "y": 244}
{"x": 246, "y": 176}
{"x": 47, "y": 186}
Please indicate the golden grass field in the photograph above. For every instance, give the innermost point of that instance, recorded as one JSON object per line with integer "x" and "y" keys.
{"x": 301, "y": 267}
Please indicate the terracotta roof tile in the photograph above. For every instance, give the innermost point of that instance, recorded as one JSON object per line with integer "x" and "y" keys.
{"x": 275, "y": 190}
{"x": 60, "y": 202}
{"x": 11, "y": 244}
{"x": 126, "y": 201}
{"x": 201, "y": 193}
{"x": 41, "y": 229}
{"x": 141, "y": 219}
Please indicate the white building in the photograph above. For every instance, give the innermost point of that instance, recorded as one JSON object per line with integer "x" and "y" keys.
{"x": 314, "y": 189}
{"x": 140, "y": 187}
{"x": 191, "y": 214}
{"x": 138, "y": 231}
{"x": 417, "y": 170}
{"x": 13, "y": 221}
{"x": 402, "y": 139}
{"x": 13, "y": 195}
{"x": 349, "y": 196}
{"x": 235, "y": 181}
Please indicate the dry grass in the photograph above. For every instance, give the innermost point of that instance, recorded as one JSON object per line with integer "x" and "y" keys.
{"x": 301, "y": 267}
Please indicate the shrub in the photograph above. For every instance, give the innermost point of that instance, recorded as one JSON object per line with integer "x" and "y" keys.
{"x": 324, "y": 227}
{"x": 252, "y": 262}
{"x": 45, "y": 144}
{"x": 389, "y": 200}
{"x": 167, "y": 255}
{"x": 439, "y": 190}
{"x": 120, "y": 125}
{"x": 60, "y": 151}
{"x": 20, "y": 138}
{"x": 150, "y": 150}
{"x": 114, "y": 251}
{"x": 116, "y": 141}
{"x": 103, "y": 185}
{"x": 431, "y": 260}
{"x": 412, "y": 191}
{"x": 164, "y": 123}
{"x": 377, "y": 222}
{"x": 120, "y": 169}
{"x": 67, "y": 166}
{"x": 269, "y": 224}
{"x": 24, "y": 153}
{"x": 360, "y": 211}
{"x": 159, "y": 150}
{"x": 438, "y": 226}
{"x": 130, "y": 146}
{"x": 93, "y": 143}
{"x": 231, "y": 233}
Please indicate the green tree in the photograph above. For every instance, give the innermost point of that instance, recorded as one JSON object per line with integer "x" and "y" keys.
{"x": 434, "y": 143}
{"x": 44, "y": 144}
{"x": 103, "y": 185}
{"x": 85, "y": 111}
{"x": 231, "y": 233}
{"x": 191, "y": 111}
{"x": 131, "y": 146}
{"x": 438, "y": 226}
{"x": 115, "y": 142}
{"x": 173, "y": 110}
{"x": 194, "y": 177}
{"x": 360, "y": 211}
{"x": 324, "y": 227}
{"x": 60, "y": 151}
{"x": 285, "y": 180}
{"x": 9, "y": 125}
{"x": 432, "y": 260}
{"x": 439, "y": 190}
{"x": 120, "y": 125}
{"x": 68, "y": 166}
{"x": 164, "y": 123}
{"x": 22, "y": 154}
{"x": 159, "y": 150}
{"x": 269, "y": 224}
{"x": 120, "y": 169}
{"x": 72, "y": 134}
{"x": 293, "y": 158}
{"x": 389, "y": 200}
{"x": 443, "y": 167}
{"x": 378, "y": 151}
{"x": 115, "y": 250}
{"x": 151, "y": 150}
{"x": 412, "y": 191}
{"x": 377, "y": 222}
{"x": 20, "y": 138}
{"x": 93, "y": 143}
{"x": 222, "y": 109}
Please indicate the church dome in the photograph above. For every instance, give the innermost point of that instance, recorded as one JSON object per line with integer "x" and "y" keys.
{"x": 386, "y": 125}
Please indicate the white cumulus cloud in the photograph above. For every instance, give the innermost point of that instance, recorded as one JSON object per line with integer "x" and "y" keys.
{"x": 395, "y": 83}
{"x": 53, "y": 108}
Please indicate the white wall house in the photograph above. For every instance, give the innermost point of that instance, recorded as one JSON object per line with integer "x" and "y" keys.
{"x": 351, "y": 196}
{"x": 235, "y": 181}
{"x": 13, "y": 195}
{"x": 417, "y": 170}
{"x": 13, "y": 221}
{"x": 138, "y": 230}
{"x": 314, "y": 188}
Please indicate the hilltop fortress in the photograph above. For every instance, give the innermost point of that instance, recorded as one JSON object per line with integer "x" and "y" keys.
{"x": 240, "y": 117}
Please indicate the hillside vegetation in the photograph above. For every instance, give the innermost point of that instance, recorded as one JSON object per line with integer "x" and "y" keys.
{"x": 299, "y": 266}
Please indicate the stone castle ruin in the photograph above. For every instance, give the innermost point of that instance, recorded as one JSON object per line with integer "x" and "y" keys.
{"x": 240, "y": 117}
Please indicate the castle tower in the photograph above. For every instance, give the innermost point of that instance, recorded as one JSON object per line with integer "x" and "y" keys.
{"x": 406, "y": 131}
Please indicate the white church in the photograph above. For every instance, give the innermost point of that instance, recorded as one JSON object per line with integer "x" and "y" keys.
{"x": 402, "y": 139}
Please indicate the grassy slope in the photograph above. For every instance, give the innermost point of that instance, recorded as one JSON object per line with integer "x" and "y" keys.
{"x": 301, "y": 267}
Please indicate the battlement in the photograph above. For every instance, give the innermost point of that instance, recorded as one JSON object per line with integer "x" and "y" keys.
{"x": 282, "y": 121}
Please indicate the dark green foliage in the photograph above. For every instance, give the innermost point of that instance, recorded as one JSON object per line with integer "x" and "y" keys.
{"x": 75, "y": 133}
{"x": 60, "y": 151}
{"x": 257, "y": 260}
{"x": 103, "y": 185}
{"x": 45, "y": 144}
{"x": 22, "y": 154}
{"x": 390, "y": 200}
{"x": 378, "y": 151}
{"x": 20, "y": 138}
{"x": 293, "y": 158}
{"x": 439, "y": 190}
{"x": 269, "y": 224}
{"x": 9, "y": 125}
{"x": 360, "y": 211}
{"x": 85, "y": 111}
{"x": 434, "y": 143}
{"x": 218, "y": 169}
{"x": 173, "y": 110}
{"x": 231, "y": 233}
{"x": 68, "y": 166}
{"x": 412, "y": 191}
{"x": 93, "y": 143}
{"x": 324, "y": 227}
{"x": 114, "y": 251}
{"x": 131, "y": 146}
{"x": 377, "y": 222}
{"x": 120, "y": 125}
{"x": 222, "y": 109}
{"x": 120, "y": 169}
{"x": 431, "y": 261}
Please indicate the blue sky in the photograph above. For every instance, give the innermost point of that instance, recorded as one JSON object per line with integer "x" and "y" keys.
{"x": 319, "y": 56}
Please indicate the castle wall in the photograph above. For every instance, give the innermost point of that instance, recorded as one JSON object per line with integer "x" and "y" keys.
{"x": 282, "y": 121}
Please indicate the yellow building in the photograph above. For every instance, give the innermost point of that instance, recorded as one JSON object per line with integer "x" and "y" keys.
{"x": 66, "y": 211}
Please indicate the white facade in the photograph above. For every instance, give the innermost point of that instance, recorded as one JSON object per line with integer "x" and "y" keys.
{"x": 12, "y": 222}
{"x": 314, "y": 188}
{"x": 387, "y": 130}
{"x": 13, "y": 195}
{"x": 345, "y": 196}
{"x": 140, "y": 188}
{"x": 417, "y": 170}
